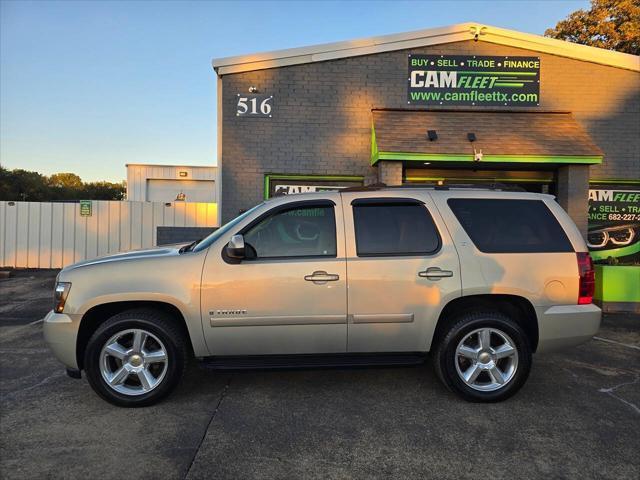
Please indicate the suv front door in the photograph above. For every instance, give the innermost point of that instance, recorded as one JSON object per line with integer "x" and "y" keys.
{"x": 290, "y": 298}
{"x": 402, "y": 268}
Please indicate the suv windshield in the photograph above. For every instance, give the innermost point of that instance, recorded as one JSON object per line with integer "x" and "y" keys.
{"x": 207, "y": 241}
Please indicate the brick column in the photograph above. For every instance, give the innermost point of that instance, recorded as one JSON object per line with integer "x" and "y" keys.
{"x": 390, "y": 173}
{"x": 573, "y": 193}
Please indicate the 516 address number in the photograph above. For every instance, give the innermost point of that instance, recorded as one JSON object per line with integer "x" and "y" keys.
{"x": 254, "y": 106}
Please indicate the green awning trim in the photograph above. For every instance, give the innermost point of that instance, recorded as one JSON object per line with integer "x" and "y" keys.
{"x": 475, "y": 179}
{"x": 374, "y": 146}
{"x": 436, "y": 157}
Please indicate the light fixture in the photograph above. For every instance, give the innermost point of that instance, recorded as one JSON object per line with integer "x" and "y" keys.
{"x": 471, "y": 137}
{"x": 183, "y": 174}
{"x": 181, "y": 197}
{"x": 427, "y": 163}
{"x": 432, "y": 135}
{"x": 477, "y": 30}
{"x": 253, "y": 89}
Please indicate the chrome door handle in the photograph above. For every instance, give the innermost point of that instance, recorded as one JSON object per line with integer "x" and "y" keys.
{"x": 321, "y": 277}
{"x": 435, "y": 273}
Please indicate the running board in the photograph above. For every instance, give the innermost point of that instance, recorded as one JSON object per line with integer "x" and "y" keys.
{"x": 274, "y": 362}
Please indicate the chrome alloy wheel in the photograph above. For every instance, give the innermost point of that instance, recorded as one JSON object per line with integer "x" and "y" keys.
{"x": 133, "y": 362}
{"x": 486, "y": 359}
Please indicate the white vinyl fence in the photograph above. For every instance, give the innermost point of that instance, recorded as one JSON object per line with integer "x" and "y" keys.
{"x": 53, "y": 235}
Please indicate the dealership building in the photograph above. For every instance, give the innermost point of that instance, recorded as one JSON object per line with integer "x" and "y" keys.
{"x": 464, "y": 104}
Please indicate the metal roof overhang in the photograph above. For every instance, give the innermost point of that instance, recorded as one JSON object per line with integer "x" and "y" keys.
{"x": 422, "y": 38}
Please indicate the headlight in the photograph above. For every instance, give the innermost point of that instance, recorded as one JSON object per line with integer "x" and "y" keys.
{"x": 60, "y": 295}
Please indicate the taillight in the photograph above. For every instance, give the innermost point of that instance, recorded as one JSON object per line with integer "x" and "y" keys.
{"x": 587, "y": 284}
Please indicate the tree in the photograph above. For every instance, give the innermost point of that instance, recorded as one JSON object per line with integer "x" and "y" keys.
{"x": 609, "y": 24}
{"x": 104, "y": 191}
{"x": 31, "y": 186}
{"x": 65, "y": 180}
{"x": 21, "y": 184}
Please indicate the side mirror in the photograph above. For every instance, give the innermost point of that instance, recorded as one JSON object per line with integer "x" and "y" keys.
{"x": 235, "y": 247}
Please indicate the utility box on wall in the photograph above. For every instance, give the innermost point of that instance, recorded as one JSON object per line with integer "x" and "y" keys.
{"x": 169, "y": 183}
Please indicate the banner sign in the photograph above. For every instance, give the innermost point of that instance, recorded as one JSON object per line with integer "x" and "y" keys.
{"x": 614, "y": 225}
{"x": 473, "y": 80}
{"x": 280, "y": 185}
{"x": 280, "y": 189}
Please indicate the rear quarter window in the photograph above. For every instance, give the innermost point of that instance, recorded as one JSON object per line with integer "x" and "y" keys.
{"x": 393, "y": 227}
{"x": 510, "y": 226}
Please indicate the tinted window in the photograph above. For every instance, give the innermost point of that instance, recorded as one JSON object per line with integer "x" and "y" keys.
{"x": 394, "y": 229}
{"x": 295, "y": 232}
{"x": 510, "y": 226}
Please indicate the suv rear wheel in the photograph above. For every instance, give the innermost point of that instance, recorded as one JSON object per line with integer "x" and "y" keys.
{"x": 483, "y": 357}
{"x": 136, "y": 358}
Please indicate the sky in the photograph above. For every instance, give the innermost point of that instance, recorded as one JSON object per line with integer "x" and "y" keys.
{"x": 87, "y": 87}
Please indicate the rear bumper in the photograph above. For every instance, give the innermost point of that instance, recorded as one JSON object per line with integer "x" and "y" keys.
{"x": 564, "y": 326}
{"x": 60, "y": 333}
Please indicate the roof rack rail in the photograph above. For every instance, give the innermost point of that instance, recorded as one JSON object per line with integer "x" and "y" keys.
{"x": 449, "y": 186}
{"x": 476, "y": 186}
{"x": 365, "y": 188}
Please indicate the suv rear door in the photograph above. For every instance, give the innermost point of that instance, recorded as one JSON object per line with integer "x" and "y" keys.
{"x": 402, "y": 268}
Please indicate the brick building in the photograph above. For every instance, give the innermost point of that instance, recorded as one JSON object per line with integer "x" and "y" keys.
{"x": 463, "y": 104}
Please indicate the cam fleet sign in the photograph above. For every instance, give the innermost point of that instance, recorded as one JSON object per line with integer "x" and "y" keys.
{"x": 293, "y": 189}
{"x": 277, "y": 185}
{"x": 473, "y": 80}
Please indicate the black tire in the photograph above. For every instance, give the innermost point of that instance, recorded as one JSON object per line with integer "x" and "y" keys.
{"x": 445, "y": 356}
{"x": 158, "y": 323}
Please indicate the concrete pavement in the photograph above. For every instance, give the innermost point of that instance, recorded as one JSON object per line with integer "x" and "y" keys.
{"x": 577, "y": 417}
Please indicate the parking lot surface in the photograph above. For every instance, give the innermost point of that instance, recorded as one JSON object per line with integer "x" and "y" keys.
{"x": 578, "y": 416}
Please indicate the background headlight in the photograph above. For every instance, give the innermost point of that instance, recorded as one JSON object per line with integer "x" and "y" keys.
{"x": 622, "y": 236}
{"x": 597, "y": 239}
{"x": 60, "y": 296}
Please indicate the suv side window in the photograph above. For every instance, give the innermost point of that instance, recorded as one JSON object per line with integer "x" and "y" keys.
{"x": 385, "y": 227}
{"x": 510, "y": 226}
{"x": 303, "y": 231}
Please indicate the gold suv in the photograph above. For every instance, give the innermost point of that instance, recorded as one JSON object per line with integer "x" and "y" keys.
{"x": 481, "y": 279}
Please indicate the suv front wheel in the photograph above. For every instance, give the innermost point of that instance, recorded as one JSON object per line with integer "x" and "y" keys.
{"x": 136, "y": 358}
{"x": 483, "y": 357}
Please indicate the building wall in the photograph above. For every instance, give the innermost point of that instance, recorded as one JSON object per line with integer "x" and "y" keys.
{"x": 138, "y": 174}
{"x": 322, "y": 115}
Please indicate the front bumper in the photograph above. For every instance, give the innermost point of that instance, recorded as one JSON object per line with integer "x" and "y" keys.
{"x": 61, "y": 333}
{"x": 566, "y": 325}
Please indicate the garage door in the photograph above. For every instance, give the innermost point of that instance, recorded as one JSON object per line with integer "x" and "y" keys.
{"x": 167, "y": 190}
